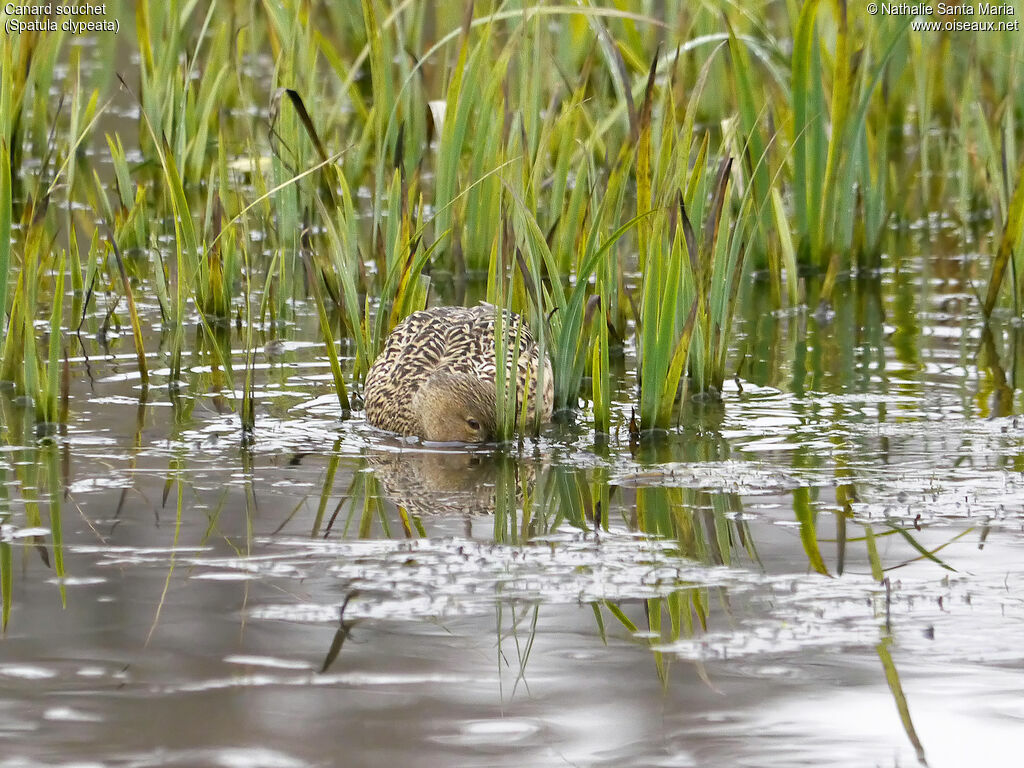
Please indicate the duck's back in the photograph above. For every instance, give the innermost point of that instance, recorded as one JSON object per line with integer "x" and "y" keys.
{"x": 456, "y": 339}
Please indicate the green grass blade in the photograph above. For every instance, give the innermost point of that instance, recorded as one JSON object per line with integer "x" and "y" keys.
{"x": 53, "y": 365}
{"x": 806, "y": 110}
{"x": 808, "y": 534}
{"x": 1008, "y": 243}
{"x": 899, "y": 697}
{"x": 325, "y": 329}
{"x": 6, "y": 213}
{"x": 788, "y": 250}
{"x": 140, "y": 352}
{"x": 56, "y": 528}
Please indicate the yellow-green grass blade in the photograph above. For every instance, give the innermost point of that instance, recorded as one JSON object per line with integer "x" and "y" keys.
{"x": 6, "y": 213}
{"x": 806, "y": 517}
{"x": 140, "y": 352}
{"x": 345, "y": 254}
{"x": 56, "y": 334}
{"x": 458, "y": 104}
{"x": 325, "y": 329}
{"x": 877, "y": 573}
{"x": 788, "y": 252}
{"x": 807, "y": 111}
{"x": 1008, "y": 243}
{"x": 13, "y": 348}
{"x": 899, "y": 697}
{"x": 755, "y": 145}
{"x": 51, "y": 458}
{"x": 675, "y": 369}
{"x": 839, "y": 150}
{"x": 619, "y": 614}
{"x": 925, "y": 553}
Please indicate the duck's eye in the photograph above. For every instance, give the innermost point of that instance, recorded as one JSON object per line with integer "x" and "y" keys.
{"x": 473, "y": 423}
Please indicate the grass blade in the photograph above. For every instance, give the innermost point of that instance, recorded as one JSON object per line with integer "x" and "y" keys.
{"x": 1008, "y": 243}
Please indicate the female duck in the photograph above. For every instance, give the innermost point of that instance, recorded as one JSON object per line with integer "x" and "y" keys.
{"x": 435, "y": 377}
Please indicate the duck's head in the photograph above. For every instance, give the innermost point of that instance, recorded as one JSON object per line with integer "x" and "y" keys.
{"x": 456, "y": 407}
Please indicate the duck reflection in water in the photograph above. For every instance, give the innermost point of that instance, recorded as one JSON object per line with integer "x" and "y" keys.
{"x": 428, "y": 483}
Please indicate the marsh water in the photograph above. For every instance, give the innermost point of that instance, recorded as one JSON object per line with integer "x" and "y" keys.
{"x": 825, "y": 568}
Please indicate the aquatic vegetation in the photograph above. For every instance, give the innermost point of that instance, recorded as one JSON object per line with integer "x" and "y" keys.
{"x": 585, "y": 187}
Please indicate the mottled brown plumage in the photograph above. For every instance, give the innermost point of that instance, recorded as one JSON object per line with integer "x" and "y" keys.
{"x": 435, "y": 377}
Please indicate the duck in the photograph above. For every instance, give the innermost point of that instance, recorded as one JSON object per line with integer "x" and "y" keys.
{"x": 435, "y": 377}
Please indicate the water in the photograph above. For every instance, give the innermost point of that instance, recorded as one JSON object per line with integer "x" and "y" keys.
{"x": 339, "y": 596}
